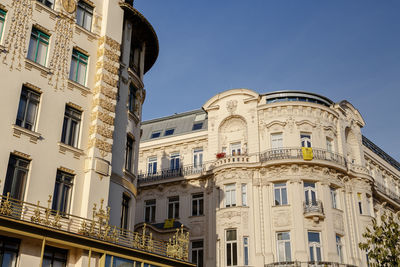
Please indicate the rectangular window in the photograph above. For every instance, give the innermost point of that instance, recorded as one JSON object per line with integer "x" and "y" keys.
{"x": 132, "y": 100}
{"x": 129, "y": 154}
{"x": 174, "y": 161}
{"x": 70, "y": 130}
{"x": 173, "y": 207}
{"x": 231, "y": 248}
{"x": 360, "y": 208}
{"x": 84, "y": 14}
{"x": 280, "y": 193}
{"x": 9, "y": 248}
{"x": 329, "y": 144}
{"x": 150, "y": 210}
{"x": 197, "y": 126}
{"x": 198, "y": 158}
{"x": 334, "y": 197}
{"x": 2, "y": 21}
{"x": 310, "y": 194}
{"x": 314, "y": 245}
{"x": 246, "y": 251}
{"x": 54, "y": 257}
{"x": 62, "y": 192}
{"x": 17, "y": 172}
{"x": 152, "y": 165}
{"x": 276, "y": 140}
{"x": 135, "y": 56}
{"x": 230, "y": 195}
{"x": 244, "y": 194}
{"x": 283, "y": 246}
{"x": 169, "y": 132}
{"x": 38, "y": 46}
{"x": 125, "y": 211}
{"x": 305, "y": 140}
{"x": 236, "y": 149}
{"x": 339, "y": 247}
{"x": 155, "y": 134}
{"x": 28, "y": 108}
{"x": 197, "y": 253}
{"x": 78, "y": 69}
{"x": 197, "y": 204}
{"x": 48, "y": 3}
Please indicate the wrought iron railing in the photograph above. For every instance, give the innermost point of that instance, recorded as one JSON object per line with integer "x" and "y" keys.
{"x": 170, "y": 173}
{"x": 313, "y": 207}
{"x": 97, "y": 227}
{"x": 387, "y": 191}
{"x": 296, "y": 153}
{"x": 307, "y": 264}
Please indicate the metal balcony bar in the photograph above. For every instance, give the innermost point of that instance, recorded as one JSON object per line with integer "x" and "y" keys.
{"x": 307, "y": 263}
{"x": 387, "y": 191}
{"x": 170, "y": 173}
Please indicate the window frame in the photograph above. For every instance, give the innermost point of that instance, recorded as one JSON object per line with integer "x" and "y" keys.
{"x": 45, "y": 2}
{"x": 231, "y": 245}
{"x": 152, "y": 165}
{"x": 3, "y": 15}
{"x": 278, "y": 141}
{"x": 339, "y": 247}
{"x": 310, "y": 193}
{"x": 61, "y": 200}
{"x": 85, "y": 9}
{"x": 80, "y": 59}
{"x": 246, "y": 251}
{"x": 198, "y": 202}
{"x": 174, "y": 161}
{"x": 198, "y": 158}
{"x": 71, "y": 116}
{"x": 314, "y": 246}
{"x": 280, "y": 187}
{"x": 125, "y": 204}
{"x": 32, "y": 98}
{"x": 230, "y": 189}
{"x": 197, "y": 250}
{"x": 129, "y": 153}
{"x": 287, "y": 254}
{"x": 155, "y": 134}
{"x": 150, "y": 207}
{"x": 197, "y": 126}
{"x": 235, "y": 149}
{"x": 306, "y": 139}
{"x": 9, "y": 245}
{"x": 243, "y": 189}
{"x": 169, "y": 131}
{"x": 15, "y": 166}
{"x": 38, "y": 35}
{"x": 333, "y": 193}
{"x": 53, "y": 251}
{"x": 173, "y": 207}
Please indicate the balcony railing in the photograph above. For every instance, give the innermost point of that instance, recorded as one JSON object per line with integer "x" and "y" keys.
{"x": 313, "y": 209}
{"x": 232, "y": 159}
{"x": 171, "y": 173}
{"x": 387, "y": 191}
{"x": 307, "y": 264}
{"x": 96, "y": 228}
{"x": 296, "y": 153}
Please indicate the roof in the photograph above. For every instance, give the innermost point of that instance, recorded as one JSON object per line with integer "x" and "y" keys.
{"x": 382, "y": 154}
{"x": 181, "y": 123}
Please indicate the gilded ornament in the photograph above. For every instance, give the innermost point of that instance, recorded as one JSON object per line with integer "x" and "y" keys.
{"x": 6, "y": 208}
{"x": 69, "y": 5}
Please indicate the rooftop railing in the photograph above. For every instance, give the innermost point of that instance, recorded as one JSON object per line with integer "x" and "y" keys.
{"x": 387, "y": 191}
{"x": 307, "y": 264}
{"x": 97, "y": 227}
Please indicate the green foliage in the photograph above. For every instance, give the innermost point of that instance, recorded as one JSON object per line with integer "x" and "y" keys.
{"x": 382, "y": 242}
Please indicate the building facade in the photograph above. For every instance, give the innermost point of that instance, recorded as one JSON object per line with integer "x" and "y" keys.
{"x": 277, "y": 179}
{"x": 72, "y": 91}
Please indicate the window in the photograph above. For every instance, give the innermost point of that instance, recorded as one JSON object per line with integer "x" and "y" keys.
{"x": 197, "y": 126}
{"x": 368, "y": 209}
{"x": 38, "y": 46}
{"x": 231, "y": 248}
{"x": 314, "y": 245}
{"x": 235, "y": 148}
{"x": 78, "y": 69}
{"x": 173, "y": 207}
{"x": 246, "y": 250}
{"x": 283, "y": 246}
{"x": 152, "y": 165}
{"x": 135, "y": 55}
{"x": 329, "y": 144}
{"x": 125, "y": 211}
{"x": 133, "y": 106}
{"x": 62, "y": 192}
{"x": 197, "y": 253}
{"x": 310, "y": 194}
{"x": 280, "y": 193}
{"x": 54, "y": 257}
{"x": 17, "y": 172}
{"x": 276, "y": 140}
{"x": 360, "y": 208}
{"x": 28, "y": 108}
{"x": 48, "y": 3}
{"x": 230, "y": 195}
{"x": 2, "y": 21}
{"x": 244, "y": 194}
{"x": 197, "y": 204}
{"x": 334, "y": 197}
{"x": 155, "y": 134}
{"x": 174, "y": 161}
{"x": 305, "y": 140}
{"x": 198, "y": 158}
{"x": 70, "y": 130}
{"x": 9, "y": 248}
{"x": 150, "y": 210}
{"x": 169, "y": 132}
{"x": 129, "y": 154}
{"x": 84, "y": 14}
{"x": 339, "y": 248}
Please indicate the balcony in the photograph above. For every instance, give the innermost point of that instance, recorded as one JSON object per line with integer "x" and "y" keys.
{"x": 314, "y": 210}
{"x": 296, "y": 153}
{"x": 387, "y": 191}
{"x": 171, "y": 173}
{"x": 95, "y": 229}
{"x": 307, "y": 264}
{"x": 244, "y": 158}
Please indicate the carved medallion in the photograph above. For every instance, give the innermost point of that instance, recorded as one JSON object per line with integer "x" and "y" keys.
{"x": 69, "y": 5}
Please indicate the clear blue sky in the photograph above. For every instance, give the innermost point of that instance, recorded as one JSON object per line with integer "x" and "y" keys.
{"x": 341, "y": 49}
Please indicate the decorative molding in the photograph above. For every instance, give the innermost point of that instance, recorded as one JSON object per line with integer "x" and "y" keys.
{"x": 21, "y": 155}
{"x": 64, "y": 169}
{"x": 75, "y": 151}
{"x": 33, "y": 136}
{"x": 44, "y": 71}
{"x": 74, "y": 85}
{"x": 75, "y": 106}
{"x": 33, "y": 87}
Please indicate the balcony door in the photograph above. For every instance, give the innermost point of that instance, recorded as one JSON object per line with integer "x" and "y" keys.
{"x": 310, "y": 194}
{"x": 236, "y": 149}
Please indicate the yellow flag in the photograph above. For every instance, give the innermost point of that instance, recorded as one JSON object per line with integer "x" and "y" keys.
{"x": 307, "y": 153}
{"x": 169, "y": 223}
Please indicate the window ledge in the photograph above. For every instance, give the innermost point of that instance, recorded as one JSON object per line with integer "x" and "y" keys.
{"x": 74, "y": 85}
{"x": 196, "y": 216}
{"x": 18, "y": 130}
{"x": 286, "y": 205}
{"x": 40, "y": 6}
{"x": 129, "y": 174}
{"x": 133, "y": 117}
{"x": 44, "y": 71}
{"x": 90, "y": 35}
{"x": 76, "y": 151}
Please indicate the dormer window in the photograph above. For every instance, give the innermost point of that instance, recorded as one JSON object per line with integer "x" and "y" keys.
{"x": 155, "y": 134}
{"x": 197, "y": 126}
{"x": 169, "y": 132}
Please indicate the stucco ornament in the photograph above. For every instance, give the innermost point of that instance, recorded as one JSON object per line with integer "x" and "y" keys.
{"x": 231, "y": 106}
{"x": 69, "y": 5}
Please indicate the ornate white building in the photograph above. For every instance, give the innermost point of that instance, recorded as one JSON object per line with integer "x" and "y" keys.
{"x": 71, "y": 95}
{"x": 277, "y": 179}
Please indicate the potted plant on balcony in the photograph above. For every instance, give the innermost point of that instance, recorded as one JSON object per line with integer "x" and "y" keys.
{"x": 221, "y": 155}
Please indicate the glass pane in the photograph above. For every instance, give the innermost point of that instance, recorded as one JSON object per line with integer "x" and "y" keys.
{"x": 72, "y": 132}
{"x": 46, "y": 263}
{"x": 41, "y": 53}
{"x": 234, "y": 253}
{"x": 314, "y": 198}
{"x": 21, "y": 111}
{"x": 313, "y": 237}
{"x": 194, "y": 207}
{"x": 19, "y": 185}
{"x": 58, "y": 264}
{"x": 312, "y": 254}
{"x": 281, "y": 251}
{"x": 284, "y": 196}
{"x": 31, "y": 114}
{"x": 9, "y": 259}
{"x": 64, "y": 131}
{"x": 194, "y": 256}
{"x": 88, "y": 21}
{"x": 228, "y": 255}
{"x": 72, "y": 71}
{"x": 32, "y": 48}
{"x": 287, "y": 251}
{"x": 200, "y": 259}
{"x": 201, "y": 207}
{"x": 277, "y": 197}
{"x": 81, "y": 74}
{"x": 170, "y": 210}
{"x": 318, "y": 253}
{"x": 79, "y": 16}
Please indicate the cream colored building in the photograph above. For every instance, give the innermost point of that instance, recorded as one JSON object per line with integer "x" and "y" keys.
{"x": 240, "y": 175}
{"x": 71, "y": 95}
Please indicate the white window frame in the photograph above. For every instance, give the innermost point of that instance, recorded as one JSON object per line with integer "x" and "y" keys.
{"x": 235, "y": 148}
{"x": 305, "y": 140}
{"x": 311, "y": 192}
{"x": 279, "y": 187}
{"x": 244, "y": 194}
{"x": 230, "y": 195}
{"x": 329, "y": 144}
{"x": 152, "y": 165}
{"x": 174, "y": 161}
{"x": 233, "y": 251}
{"x": 197, "y": 158}
{"x": 334, "y": 201}
{"x": 315, "y": 246}
{"x": 339, "y": 247}
{"x": 277, "y": 140}
{"x": 287, "y": 255}
{"x": 246, "y": 251}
